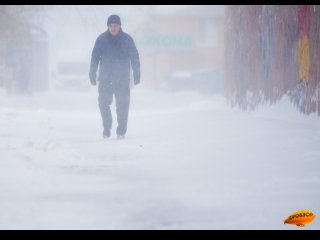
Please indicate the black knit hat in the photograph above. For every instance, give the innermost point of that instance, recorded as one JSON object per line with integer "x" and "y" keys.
{"x": 114, "y": 19}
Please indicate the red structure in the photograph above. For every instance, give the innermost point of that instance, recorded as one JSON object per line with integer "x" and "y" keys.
{"x": 272, "y": 51}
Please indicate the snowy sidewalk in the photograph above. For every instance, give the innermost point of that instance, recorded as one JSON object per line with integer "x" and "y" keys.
{"x": 188, "y": 162}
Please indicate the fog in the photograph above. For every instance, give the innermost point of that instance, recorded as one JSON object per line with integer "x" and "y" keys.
{"x": 189, "y": 159}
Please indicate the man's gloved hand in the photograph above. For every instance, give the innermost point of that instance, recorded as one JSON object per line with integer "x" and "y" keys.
{"x": 136, "y": 80}
{"x": 92, "y": 77}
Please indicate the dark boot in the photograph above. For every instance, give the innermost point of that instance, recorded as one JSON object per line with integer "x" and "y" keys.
{"x": 106, "y": 134}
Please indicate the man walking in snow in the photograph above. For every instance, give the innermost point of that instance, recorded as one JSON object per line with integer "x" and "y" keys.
{"x": 114, "y": 52}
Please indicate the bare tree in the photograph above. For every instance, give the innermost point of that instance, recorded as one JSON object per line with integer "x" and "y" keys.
{"x": 18, "y": 21}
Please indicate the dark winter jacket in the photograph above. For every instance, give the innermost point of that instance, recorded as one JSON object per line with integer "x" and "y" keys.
{"x": 115, "y": 54}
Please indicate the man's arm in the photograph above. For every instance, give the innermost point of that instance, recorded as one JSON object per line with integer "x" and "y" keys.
{"x": 135, "y": 62}
{"x": 95, "y": 59}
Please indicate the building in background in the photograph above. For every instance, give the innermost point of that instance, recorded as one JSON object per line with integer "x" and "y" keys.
{"x": 181, "y": 42}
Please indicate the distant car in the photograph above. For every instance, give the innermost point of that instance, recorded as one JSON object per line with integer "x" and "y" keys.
{"x": 71, "y": 75}
{"x": 207, "y": 81}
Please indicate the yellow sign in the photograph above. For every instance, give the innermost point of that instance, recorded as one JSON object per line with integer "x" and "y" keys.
{"x": 300, "y": 218}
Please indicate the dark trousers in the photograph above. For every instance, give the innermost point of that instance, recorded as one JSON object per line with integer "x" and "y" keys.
{"x": 122, "y": 98}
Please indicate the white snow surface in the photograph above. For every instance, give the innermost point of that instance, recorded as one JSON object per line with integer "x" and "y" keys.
{"x": 188, "y": 162}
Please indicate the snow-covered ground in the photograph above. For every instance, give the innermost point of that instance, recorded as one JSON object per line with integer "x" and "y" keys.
{"x": 188, "y": 162}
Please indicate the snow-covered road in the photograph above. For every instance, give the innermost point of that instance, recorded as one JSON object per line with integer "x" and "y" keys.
{"x": 188, "y": 162}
